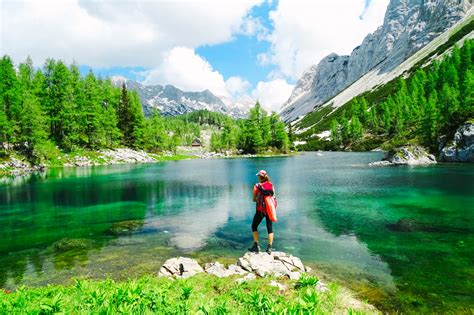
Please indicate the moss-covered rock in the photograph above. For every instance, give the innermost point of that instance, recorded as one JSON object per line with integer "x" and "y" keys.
{"x": 125, "y": 227}
{"x": 67, "y": 244}
{"x": 407, "y": 155}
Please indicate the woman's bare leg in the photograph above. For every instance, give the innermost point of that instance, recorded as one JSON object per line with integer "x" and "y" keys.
{"x": 255, "y": 236}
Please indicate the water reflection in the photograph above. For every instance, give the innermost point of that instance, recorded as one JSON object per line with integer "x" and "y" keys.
{"x": 334, "y": 212}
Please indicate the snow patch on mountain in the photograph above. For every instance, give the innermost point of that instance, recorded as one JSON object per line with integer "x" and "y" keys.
{"x": 171, "y": 101}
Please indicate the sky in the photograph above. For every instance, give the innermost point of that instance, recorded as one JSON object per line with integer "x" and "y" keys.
{"x": 235, "y": 48}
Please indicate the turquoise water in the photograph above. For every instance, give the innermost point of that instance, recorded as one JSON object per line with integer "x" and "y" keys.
{"x": 401, "y": 237}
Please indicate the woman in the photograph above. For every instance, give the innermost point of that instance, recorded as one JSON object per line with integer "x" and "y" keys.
{"x": 264, "y": 187}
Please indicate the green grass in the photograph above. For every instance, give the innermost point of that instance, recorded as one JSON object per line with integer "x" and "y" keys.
{"x": 314, "y": 117}
{"x": 174, "y": 157}
{"x": 201, "y": 294}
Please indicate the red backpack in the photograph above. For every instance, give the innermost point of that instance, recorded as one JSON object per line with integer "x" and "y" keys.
{"x": 266, "y": 198}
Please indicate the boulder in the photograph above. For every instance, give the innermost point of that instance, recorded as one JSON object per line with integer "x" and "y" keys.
{"x": 236, "y": 270}
{"x": 276, "y": 264}
{"x": 294, "y": 275}
{"x": 220, "y": 271}
{"x": 248, "y": 277}
{"x": 181, "y": 267}
{"x": 461, "y": 148}
{"x": 407, "y": 155}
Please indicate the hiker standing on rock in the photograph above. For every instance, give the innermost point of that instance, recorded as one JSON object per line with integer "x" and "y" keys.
{"x": 264, "y": 197}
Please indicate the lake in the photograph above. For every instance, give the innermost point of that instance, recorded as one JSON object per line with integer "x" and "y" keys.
{"x": 400, "y": 236}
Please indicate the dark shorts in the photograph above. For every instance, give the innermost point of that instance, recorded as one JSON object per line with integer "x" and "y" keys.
{"x": 259, "y": 215}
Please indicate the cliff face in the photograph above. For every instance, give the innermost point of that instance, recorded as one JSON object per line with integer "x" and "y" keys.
{"x": 408, "y": 26}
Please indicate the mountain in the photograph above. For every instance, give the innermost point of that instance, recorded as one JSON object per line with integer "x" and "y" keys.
{"x": 408, "y": 26}
{"x": 171, "y": 101}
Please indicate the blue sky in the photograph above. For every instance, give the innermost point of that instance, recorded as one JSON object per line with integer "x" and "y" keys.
{"x": 245, "y": 48}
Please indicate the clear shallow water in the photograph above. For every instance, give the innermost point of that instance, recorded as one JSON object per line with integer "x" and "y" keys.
{"x": 335, "y": 212}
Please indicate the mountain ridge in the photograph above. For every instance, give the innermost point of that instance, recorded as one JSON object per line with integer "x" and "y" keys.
{"x": 171, "y": 101}
{"x": 409, "y": 25}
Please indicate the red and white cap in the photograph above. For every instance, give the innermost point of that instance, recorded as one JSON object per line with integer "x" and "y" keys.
{"x": 261, "y": 173}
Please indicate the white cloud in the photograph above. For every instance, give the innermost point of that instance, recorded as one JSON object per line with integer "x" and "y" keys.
{"x": 237, "y": 86}
{"x": 186, "y": 70}
{"x": 116, "y": 33}
{"x": 272, "y": 94}
{"x": 306, "y": 31}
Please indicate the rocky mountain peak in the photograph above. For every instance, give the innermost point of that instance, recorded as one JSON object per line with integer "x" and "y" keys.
{"x": 170, "y": 100}
{"x": 408, "y": 26}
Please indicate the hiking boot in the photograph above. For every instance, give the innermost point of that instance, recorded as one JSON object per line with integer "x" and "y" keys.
{"x": 255, "y": 248}
{"x": 269, "y": 249}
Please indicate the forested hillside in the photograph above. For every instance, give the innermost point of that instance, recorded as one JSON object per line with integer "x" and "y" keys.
{"x": 417, "y": 108}
{"x": 56, "y": 109}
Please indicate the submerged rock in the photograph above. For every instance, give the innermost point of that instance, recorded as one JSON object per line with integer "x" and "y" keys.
{"x": 125, "y": 227}
{"x": 461, "y": 148}
{"x": 408, "y": 155}
{"x": 67, "y": 244}
{"x": 405, "y": 225}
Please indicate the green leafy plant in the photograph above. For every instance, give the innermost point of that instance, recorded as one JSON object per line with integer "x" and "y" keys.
{"x": 306, "y": 280}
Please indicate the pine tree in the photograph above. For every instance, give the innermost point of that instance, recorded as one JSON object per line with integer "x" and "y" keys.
{"x": 32, "y": 131}
{"x": 216, "y": 143}
{"x": 335, "y": 135}
{"x": 448, "y": 102}
{"x": 93, "y": 128}
{"x": 430, "y": 122}
{"x": 125, "y": 118}
{"x": 281, "y": 140}
{"x": 356, "y": 130}
{"x": 9, "y": 97}
{"x": 110, "y": 97}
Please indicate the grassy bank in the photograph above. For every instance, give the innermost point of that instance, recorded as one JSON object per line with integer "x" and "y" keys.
{"x": 14, "y": 163}
{"x": 201, "y": 294}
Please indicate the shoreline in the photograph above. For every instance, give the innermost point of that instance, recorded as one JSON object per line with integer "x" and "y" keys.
{"x": 306, "y": 292}
{"x": 18, "y": 166}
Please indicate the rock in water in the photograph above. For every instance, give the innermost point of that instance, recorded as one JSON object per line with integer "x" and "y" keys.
{"x": 461, "y": 149}
{"x": 408, "y": 155}
{"x": 125, "y": 227}
{"x": 404, "y": 225}
{"x": 181, "y": 267}
{"x": 67, "y": 244}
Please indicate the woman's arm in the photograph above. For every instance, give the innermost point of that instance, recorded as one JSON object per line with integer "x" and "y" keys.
{"x": 255, "y": 189}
